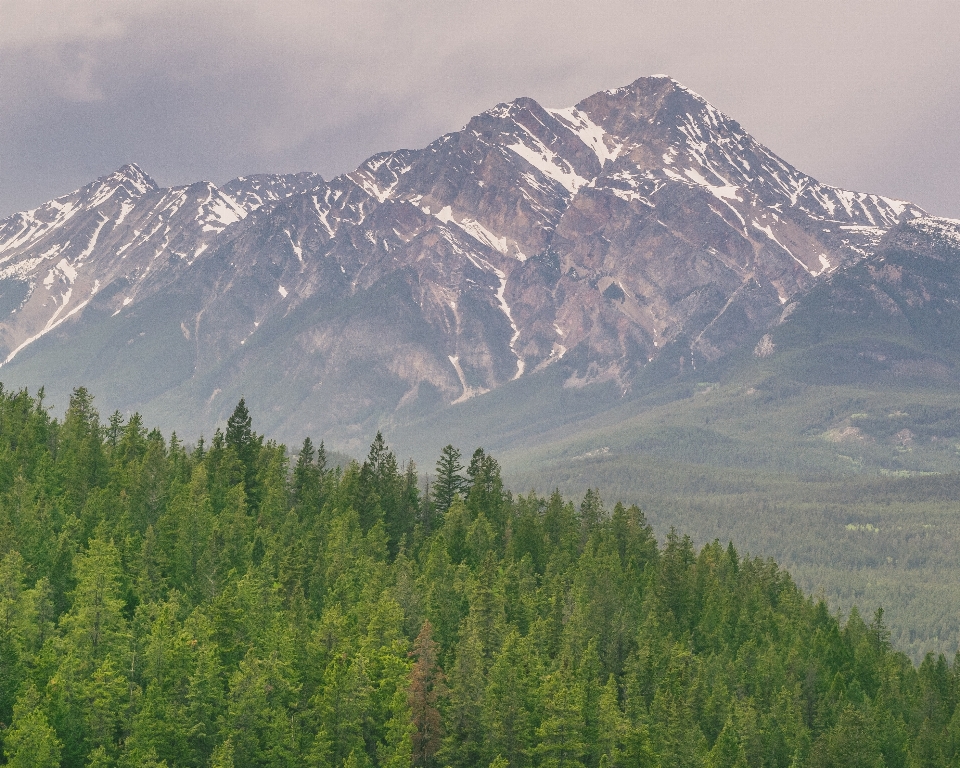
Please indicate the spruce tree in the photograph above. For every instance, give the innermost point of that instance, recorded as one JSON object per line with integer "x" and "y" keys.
{"x": 449, "y": 483}
{"x": 246, "y": 445}
{"x": 427, "y": 687}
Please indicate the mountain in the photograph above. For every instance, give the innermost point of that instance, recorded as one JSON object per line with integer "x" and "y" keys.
{"x": 631, "y": 294}
{"x": 571, "y": 248}
{"x": 891, "y": 316}
{"x": 858, "y": 374}
{"x": 116, "y": 239}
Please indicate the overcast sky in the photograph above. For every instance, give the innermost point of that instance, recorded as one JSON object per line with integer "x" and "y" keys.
{"x": 863, "y": 95}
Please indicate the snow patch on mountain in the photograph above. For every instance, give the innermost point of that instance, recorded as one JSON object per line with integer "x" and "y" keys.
{"x": 221, "y": 213}
{"x": 549, "y": 163}
{"x": 93, "y": 240}
{"x": 474, "y": 228}
{"x": 468, "y": 391}
{"x": 725, "y": 191}
{"x": 506, "y": 310}
{"x": 824, "y": 265}
{"x": 768, "y": 231}
{"x": 940, "y": 228}
{"x": 588, "y": 132}
{"x": 297, "y": 249}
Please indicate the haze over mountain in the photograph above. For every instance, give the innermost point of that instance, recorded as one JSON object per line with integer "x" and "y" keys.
{"x": 640, "y": 226}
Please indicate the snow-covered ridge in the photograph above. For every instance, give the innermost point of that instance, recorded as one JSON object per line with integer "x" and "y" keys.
{"x": 121, "y": 227}
{"x": 713, "y": 152}
{"x": 940, "y": 228}
{"x": 380, "y": 175}
{"x": 253, "y": 192}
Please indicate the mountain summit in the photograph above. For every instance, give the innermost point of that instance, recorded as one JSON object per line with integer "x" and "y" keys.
{"x": 641, "y": 224}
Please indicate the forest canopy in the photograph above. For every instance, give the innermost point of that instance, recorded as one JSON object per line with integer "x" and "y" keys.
{"x": 232, "y": 604}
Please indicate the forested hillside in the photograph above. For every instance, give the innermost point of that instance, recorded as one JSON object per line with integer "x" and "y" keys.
{"x": 228, "y": 605}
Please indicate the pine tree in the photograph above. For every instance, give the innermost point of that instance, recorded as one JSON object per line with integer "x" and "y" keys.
{"x": 560, "y": 735}
{"x": 851, "y": 743}
{"x": 223, "y": 755}
{"x": 341, "y": 707}
{"x": 464, "y": 741}
{"x": 612, "y": 725}
{"x": 591, "y": 513}
{"x": 13, "y": 643}
{"x": 114, "y": 429}
{"x": 240, "y": 429}
{"x": 80, "y": 456}
{"x": 449, "y": 483}
{"x": 511, "y": 700}
{"x": 427, "y": 687}
{"x": 306, "y": 478}
{"x": 485, "y": 492}
{"x": 380, "y": 494}
{"x": 408, "y": 508}
{"x": 246, "y": 445}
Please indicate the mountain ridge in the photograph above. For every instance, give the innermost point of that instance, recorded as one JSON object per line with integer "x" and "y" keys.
{"x": 599, "y": 237}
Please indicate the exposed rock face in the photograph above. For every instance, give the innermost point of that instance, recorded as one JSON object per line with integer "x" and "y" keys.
{"x": 598, "y": 235}
{"x": 892, "y": 315}
{"x": 115, "y": 240}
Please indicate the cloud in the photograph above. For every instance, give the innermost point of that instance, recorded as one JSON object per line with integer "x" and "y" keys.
{"x": 215, "y": 88}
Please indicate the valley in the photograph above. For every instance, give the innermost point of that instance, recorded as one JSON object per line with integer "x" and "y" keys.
{"x": 631, "y": 294}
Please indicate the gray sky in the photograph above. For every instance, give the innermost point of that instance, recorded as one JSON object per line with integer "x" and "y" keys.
{"x": 864, "y": 95}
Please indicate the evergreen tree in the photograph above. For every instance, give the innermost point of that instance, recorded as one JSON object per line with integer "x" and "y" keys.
{"x": 560, "y": 735}
{"x": 464, "y": 743}
{"x": 512, "y": 701}
{"x": 246, "y": 445}
{"x": 484, "y": 490}
{"x": 612, "y": 725}
{"x": 307, "y": 477}
{"x": 223, "y": 755}
{"x": 427, "y": 687}
{"x": 14, "y": 627}
{"x": 591, "y": 513}
{"x": 156, "y": 612}
{"x": 384, "y": 496}
{"x": 90, "y": 692}
{"x": 80, "y": 457}
{"x": 31, "y": 742}
{"x": 851, "y": 743}
{"x": 341, "y": 708}
{"x": 239, "y": 433}
{"x": 449, "y": 482}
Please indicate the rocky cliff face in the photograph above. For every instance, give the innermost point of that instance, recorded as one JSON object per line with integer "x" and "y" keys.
{"x": 593, "y": 237}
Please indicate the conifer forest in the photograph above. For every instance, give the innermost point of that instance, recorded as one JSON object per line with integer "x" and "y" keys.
{"x": 231, "y": 603}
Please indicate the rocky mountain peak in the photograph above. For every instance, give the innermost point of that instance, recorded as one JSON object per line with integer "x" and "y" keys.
{"x": 134, "y": 175}
{"x": 129, "y": 182}
{"x": 641, "y": 224}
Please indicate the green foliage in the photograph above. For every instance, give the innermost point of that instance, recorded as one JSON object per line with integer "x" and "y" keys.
{"x": 449, "y": 482}
{"x": 216, "y": 607}
{"x": 31, "y": 742}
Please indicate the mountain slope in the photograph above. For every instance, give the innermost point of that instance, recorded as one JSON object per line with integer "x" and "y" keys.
{"x": 893, "y": 314}
{"x": 641, "y": 224}
{"x": 112, "y": 241}
{"x": 859, "y": 374}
